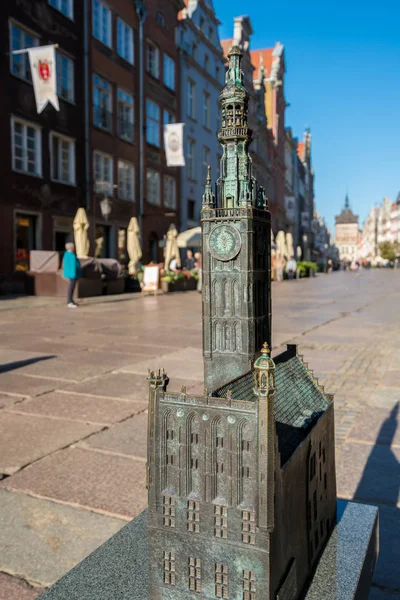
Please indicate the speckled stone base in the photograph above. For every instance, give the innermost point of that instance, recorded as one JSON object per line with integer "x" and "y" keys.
{"x": 118, "y": 569}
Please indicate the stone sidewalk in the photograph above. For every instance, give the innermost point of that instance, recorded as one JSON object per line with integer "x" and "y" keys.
{"x": 73, "y": 400}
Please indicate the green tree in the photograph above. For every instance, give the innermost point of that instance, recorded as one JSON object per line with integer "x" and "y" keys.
{"x": 388, "y": 250}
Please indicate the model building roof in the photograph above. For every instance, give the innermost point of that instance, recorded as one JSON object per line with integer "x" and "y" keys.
{"x": 299, "y": 401}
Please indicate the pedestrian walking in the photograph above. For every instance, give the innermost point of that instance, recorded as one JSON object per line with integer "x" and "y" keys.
{"x": 291, "y": 268}
{"x": 330, "y": 266}
{"x": 198, "y": 267}
{"x": 71, "y": 271}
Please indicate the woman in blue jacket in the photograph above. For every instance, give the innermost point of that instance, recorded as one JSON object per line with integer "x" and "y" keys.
{"x": 71, "y": 271}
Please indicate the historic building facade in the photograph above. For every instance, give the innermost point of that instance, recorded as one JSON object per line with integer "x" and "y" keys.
{"x": 118, "y": 83}
{"x": 43, "y": 170}
{"x": 241, "y": 479}
{"x": 306, "y": 204}
{"x": 346, "y": 233}
{"x": 202, "y": 74}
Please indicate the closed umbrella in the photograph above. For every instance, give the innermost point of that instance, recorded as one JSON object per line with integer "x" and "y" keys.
{"x": 171, "y": 247}
{"x": 133, "y": 245}
{"x": 280, "y": 241}
{"x": 81, "y": 226}
{"x": 289, "y": 244}
{"x": 299, "y": 252}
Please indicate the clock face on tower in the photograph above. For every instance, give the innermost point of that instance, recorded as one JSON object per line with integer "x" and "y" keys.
{"x": 224, "y": 242}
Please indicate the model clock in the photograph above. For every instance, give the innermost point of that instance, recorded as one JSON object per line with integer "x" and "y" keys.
{"x": 224, "y": 242}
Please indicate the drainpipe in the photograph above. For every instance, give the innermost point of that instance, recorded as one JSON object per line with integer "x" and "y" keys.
{"x": 87, "y": 100}
{"x": 141, "y": 14}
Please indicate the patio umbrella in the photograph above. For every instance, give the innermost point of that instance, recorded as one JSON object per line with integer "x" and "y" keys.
{"x": 289, "y": 244}
{"x": 133, "y": 245}
{"x": 280, "y": 241}
{"x": 191, "y": 238}
{"x": 171, "y": 247}
{"x": 81, "y": 226}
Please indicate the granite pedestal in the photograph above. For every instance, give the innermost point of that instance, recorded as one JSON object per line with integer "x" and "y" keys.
{"x": 118, "y": 570}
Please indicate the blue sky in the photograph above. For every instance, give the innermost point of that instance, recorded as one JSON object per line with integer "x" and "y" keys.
{"x": 342, "y": 81}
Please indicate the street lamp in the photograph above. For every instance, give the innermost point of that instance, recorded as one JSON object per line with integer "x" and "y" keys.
{"x": 102, "y": 187}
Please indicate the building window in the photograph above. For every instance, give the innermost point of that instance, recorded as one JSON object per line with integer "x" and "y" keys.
{"x": 160, "y": 19}
{"x": 221, "y": 580}
{"x": 206, "y": 62}
{"x": 194, "y": 463}
{"x": 169, "y": 568}
{"x": 204, "y": 163}
{"x": 26, "y": 140}
{"x": 312, "y": 467}
{"x": 103, "y": 173}
{"x": 206, "y": 110}
{"x": 169, "y": 72}
{"x": 193, "y": 516}
{"x": 25, "y": 239}
{"x": 65, "y": 77}
{"x": 153, "y": 60}
{"x": 246, "y": 472}
{"x": 125, "y": 41}
{"x": 195, "y": 575}
{"x": 191, "y": 99}
{"x": 315, "y": 505}
{"x": 191, "y": 159}
{"x": 19, "y": 63}
{"x": 102, "y": 249}
{"x": 102, "y": 23}
{"x": 217, "y": 73}
{"x": 123, "y": 257}
{"x": 62, "y": 159}
{"x": 125, "y": 115}
{"x": 202, "y": 23}
{"x": 192, "y": 210}
{"x": 221, "y": 521}
{"x": 102, "y": 103}
{"x": 169, "y": 192}
{"x": 194, "y": 51}
{"x": 169, "y": 511}
{"x": 153, "y": 187}
{"x": 249, "y": 585}
{"x": 64, "y": 6}
{"x": 125, "y": 181}
{"x": 248, "y": 527}
{"x": 152, "y": 123}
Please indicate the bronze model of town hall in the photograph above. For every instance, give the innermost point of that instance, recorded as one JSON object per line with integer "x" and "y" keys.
{"x": 241, "y": 480}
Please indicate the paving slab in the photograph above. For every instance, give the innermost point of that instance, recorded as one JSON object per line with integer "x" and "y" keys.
{"x": 115, "y": 385}
{"x": 369, "y": 473}
{"x": 13, "y": 588}
{"x": 106, "y": 359}
{"x": 6, "y": 401}
{"x": 129, "y": 437}
{"x": 25, "y": 438}
{"x": 42, "y": 540}
{"x": 187, "y": 361}
{"x": 17, "y": 383}
{"x": 104, "y": 482}
{"x": 76, "y": 407}
{"x": 378, "y": 426}
{"x": 391, "y": 379}
{"x": 63, "y": 369}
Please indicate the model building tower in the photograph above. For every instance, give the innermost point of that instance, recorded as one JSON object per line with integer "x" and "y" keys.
{"x": 241, "y": 480}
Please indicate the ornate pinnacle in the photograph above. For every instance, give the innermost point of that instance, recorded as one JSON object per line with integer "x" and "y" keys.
{"x": 208, "y": 196}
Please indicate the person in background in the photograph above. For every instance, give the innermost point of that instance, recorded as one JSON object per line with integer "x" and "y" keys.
{"x": 198, "y": 267}
{"x": 291, "y": 267}
{"x": 71, "y": 271}
{"x": 330, "y": 266}
{"x": 189, "y": 262}
{"x": 280, "y": 265}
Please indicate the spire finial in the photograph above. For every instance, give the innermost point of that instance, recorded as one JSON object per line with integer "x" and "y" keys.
{"x": 265, "y": 349}
{"x": 208, "y": 196}
{"x": 208, "y": 174}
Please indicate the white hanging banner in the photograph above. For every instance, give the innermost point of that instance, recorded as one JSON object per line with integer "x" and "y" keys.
{"x": 173, "y": 141}
{"x": 43, "y": 67}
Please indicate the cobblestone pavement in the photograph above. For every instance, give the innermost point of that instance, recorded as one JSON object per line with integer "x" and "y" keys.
{"x": 73, "y": 400}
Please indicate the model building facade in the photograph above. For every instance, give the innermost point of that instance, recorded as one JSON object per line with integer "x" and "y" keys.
{"x": 241, "y": 480}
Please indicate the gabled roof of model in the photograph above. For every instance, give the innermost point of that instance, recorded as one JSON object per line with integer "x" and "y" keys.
{"x": 299, "y": 401}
